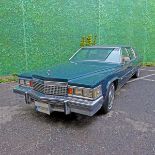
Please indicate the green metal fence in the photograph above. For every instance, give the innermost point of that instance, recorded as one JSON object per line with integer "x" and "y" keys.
{"x": 37, "y": 34}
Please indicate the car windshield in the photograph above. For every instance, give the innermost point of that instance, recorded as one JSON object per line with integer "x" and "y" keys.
{"x": 97, "y": 54}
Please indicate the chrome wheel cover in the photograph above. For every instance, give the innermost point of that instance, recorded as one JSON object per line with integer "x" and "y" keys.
{"x": 111, "y": 96}
{"x": 138, "y": 72}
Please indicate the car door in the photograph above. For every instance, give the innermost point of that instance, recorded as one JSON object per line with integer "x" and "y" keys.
{"x": 126, "y": 66}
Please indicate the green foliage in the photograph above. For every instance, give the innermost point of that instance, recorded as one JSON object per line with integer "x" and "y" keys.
{"x": 4, "y": 79}
{"x": 149, "y": 64}
{"x": 83, "y": 42}
{"x": 88, "y": 41}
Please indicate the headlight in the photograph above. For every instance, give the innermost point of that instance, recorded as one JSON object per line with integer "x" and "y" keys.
{"x": 89, "y": 93}
{"x": 25, "y": 82}
{"x": 78, "y": 91}
{"x": 21, "y": 82}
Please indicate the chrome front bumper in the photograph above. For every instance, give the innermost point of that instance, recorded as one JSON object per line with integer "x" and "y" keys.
{"x": 64, "y": 104}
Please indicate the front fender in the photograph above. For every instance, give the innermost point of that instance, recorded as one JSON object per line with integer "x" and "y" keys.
{"x": 106, "y": 83}
{"x": 111, "y": 81}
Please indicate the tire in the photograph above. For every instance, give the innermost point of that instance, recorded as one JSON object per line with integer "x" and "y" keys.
{"x": 108, "y": 103}
{"x": 137, "y": 74}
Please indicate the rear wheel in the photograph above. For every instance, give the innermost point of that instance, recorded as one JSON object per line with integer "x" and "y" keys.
{"x": 137, "y": 74}
{"x": 109, "y": 100}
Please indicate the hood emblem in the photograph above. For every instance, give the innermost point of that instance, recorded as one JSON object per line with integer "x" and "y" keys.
{"x": 49, "y": 72}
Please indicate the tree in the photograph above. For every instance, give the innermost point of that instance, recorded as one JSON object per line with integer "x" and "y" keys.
{"x": 88, "y": 41}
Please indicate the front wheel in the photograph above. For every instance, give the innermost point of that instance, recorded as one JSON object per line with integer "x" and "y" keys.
{"x": 109, "y": 100}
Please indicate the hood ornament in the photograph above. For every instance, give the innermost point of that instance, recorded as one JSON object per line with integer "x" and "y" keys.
{"x": 49, "y": 72}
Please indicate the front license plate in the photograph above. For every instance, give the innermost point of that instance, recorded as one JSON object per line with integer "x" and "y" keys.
{"x": 42, "y": 107}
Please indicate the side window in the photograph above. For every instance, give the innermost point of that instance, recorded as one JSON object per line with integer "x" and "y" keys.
{"x": 132, "y": 54}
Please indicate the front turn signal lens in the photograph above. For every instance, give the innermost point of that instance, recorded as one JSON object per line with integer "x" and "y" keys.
{"x": 31, "y": 83}
{"x": 70, "y": 91}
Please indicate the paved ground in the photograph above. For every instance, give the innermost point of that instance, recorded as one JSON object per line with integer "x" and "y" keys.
{"x": 129, "y": 129}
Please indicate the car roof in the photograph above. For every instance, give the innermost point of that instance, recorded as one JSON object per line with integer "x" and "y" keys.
{"x": 108, "y": 46}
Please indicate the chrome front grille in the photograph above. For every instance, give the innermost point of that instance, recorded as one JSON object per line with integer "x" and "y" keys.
{"x": 50, "y": 87}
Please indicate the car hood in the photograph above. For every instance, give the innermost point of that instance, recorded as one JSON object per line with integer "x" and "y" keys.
{"x": 74, "y": 73}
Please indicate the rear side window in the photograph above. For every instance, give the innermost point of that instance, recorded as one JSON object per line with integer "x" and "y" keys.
{"x": 125, "y": 52}
{"x": 132, "y": 54}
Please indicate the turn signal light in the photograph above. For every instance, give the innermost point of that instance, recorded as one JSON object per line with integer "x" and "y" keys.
{"x": 70, "y": 90}
{"x": 31, "y": 83}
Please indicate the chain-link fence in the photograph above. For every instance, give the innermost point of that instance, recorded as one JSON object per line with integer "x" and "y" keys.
{"x": 38, "y": 34}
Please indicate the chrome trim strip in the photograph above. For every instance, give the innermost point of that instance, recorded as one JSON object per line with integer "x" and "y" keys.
{"x": 127, "y": 73}
{"x": 74, "y": 54}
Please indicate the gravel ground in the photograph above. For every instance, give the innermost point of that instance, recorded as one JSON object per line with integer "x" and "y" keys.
{"x": 129, "y": 129}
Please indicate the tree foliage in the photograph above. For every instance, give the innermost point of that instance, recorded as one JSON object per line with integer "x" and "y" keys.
{"x": 89, "y": 40}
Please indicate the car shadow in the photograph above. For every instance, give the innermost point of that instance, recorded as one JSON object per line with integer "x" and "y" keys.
{"x": 71, "y": 120}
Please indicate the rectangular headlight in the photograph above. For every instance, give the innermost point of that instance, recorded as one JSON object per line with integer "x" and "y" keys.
{"x": 21, "y": 82}
{"x": 78, "y": 91}
{"x": 87, "y": 92}
{"x": 25, "y": 82}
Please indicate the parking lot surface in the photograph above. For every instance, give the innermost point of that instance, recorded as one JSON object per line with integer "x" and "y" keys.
{"x": 129, "y": 129}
